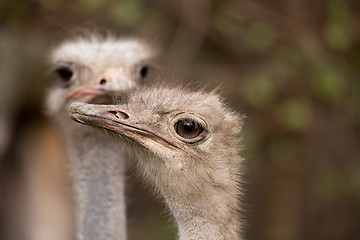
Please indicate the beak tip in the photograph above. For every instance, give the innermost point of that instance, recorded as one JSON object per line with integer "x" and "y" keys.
{"x": 79, "y": 107}
{"x": 75, "y": 111}
{"x": 76, "y": 108}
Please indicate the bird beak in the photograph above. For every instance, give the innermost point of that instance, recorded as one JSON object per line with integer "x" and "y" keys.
{"x": 110, "y": 80}
{"x": 86, "y": 91}
{"x": 117, "y": 119}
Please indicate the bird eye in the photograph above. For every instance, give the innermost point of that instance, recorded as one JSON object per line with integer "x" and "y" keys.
{"x": 144, "y": 71}
{"x": 188, "y": 129}
{"x": 64, "y": 73}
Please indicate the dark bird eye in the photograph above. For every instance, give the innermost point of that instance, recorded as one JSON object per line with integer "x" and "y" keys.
{"x": 188, "y": 128}
{"x": 144, "y": 71}
{"x": 64, "y": 73}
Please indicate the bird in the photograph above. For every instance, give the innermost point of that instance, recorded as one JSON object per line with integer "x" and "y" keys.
{"x": 88, "y": 67}
{"x": 185, "y": 145}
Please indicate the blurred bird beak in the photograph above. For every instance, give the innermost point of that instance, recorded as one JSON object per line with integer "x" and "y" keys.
{"x": 86, "y": 91}
{"x": 111, "y": 80}
{"x": 115, "y": 79}
{"x": 116, "y": 119}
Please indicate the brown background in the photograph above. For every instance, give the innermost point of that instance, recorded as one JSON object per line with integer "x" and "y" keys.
{"x": 292, "y": 66}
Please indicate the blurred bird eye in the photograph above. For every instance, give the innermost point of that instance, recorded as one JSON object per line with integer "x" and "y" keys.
{"x": 64, "y": 73}
{"x": 188, "y": 128}
{"x": 144, "y": 71}
{"x": 141, "y": 71}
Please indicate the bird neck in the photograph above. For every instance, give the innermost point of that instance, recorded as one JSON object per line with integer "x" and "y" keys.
{"x": 98, "y": 183}
{"x": 210, "y": 215}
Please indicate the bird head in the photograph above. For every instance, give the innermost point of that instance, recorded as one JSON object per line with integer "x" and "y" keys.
{"x": 183, "y": 139}
{"x": 88, "y": 68}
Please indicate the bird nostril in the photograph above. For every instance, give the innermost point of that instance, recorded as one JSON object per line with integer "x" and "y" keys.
{"x": 103, "y": 81}
{"x": 119, "y": 114}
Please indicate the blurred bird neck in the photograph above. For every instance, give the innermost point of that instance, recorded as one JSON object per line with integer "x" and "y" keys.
{"x": 98, "y": 186}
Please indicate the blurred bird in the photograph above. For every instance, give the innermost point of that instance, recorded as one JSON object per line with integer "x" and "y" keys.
{"x": 89, "y": 68}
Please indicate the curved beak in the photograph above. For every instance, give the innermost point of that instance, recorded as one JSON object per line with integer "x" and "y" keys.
{"x": 117, "y": 119}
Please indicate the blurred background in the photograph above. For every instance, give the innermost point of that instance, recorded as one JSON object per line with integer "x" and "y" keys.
{"x": 292, "y": 66}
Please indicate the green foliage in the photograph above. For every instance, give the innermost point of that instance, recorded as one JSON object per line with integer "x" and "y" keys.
{"x": 337, "y": 35}
{"x": 284, "y": 151}
{"x": 294, "y": 114}
{"x": 49, "y": 4}
{"x": 328, "y": 82}
{"x": 258, "y": 90}
{"x": 291, "y": 56}
{"x": 89, "y": 5}
{"x": 259, "y": 36}
{"x": 353, "y": 173}
{"x": 330, "y": 184}
{"x": 15, "y": 12}
{"x": 228, "y": 22}
{"x": 337, "y": 29}
{"x": 126, "y": 12}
